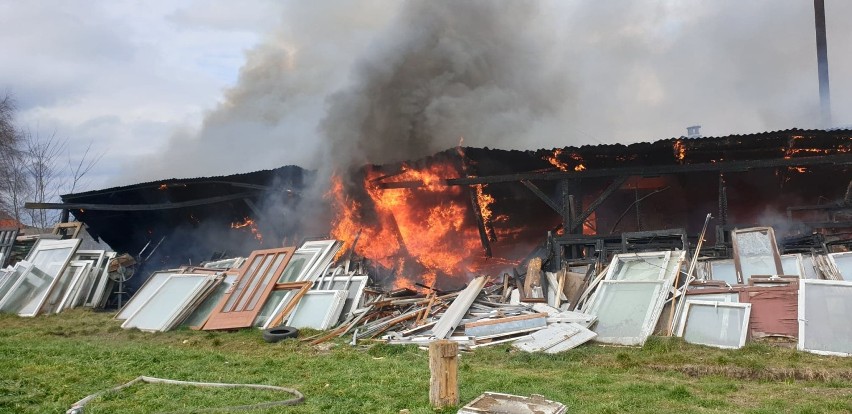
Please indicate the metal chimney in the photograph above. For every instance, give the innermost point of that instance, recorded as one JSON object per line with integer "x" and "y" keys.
{"x": 822, "y": 63}
{"x": 693, "y": 131}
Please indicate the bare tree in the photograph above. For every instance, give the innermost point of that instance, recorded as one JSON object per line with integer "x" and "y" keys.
{"x": 13, "y": 183}
{"x": 85, "y": 164}
{"x": 42, "y": 156}
{"x": 31, "y": 169}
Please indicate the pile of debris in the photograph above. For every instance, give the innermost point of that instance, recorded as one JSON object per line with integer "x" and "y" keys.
{"x": 756, "y": 294}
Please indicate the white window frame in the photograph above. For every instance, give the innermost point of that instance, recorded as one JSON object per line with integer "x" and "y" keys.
{"x": 150, "y": 287}
{"x": 331, "y": 315}
{"x": 716, "y": 304}
{"x": 655, "y": 308}
{"x": 42, "y": 245}
{"x": 803, "y": 284}
{"x": 832, "y": 259}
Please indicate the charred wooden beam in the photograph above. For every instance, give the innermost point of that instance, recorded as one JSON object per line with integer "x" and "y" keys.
{"x": 650, "y": 171}
{"x": 480, "y": 223}
{"x": 537, "y": 191}
{"x": 137, "y": 207}
{"x": 613, "y": 187}
{"x": 170, "y": 184}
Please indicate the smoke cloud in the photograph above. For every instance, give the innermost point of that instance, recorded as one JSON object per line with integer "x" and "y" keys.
{"x": 342, "y": 84}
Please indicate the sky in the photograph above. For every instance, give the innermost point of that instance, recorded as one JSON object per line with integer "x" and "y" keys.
{"x": 185, "y": 88}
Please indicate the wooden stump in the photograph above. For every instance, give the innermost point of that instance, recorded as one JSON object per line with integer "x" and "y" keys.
{"x": 444, "y": 367}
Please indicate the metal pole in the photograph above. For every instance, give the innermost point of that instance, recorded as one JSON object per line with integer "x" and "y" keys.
{"x": 822, "y": 63}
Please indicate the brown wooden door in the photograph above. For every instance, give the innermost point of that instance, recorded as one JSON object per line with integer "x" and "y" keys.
{"x": 241, "y": 305}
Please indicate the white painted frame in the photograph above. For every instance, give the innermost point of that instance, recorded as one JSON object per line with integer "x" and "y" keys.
{"x": 800, "y": 266}
{"x": 331, "y": 315}
{"x": 67, "y": 301}
{"x": 201, "y": 285}
{"x": 630, "y": 257}
{"x": 717, "y": 304}
{"x": 832, "y": 259}
{"x": 328, "y": 249}
{"x": 803, "y": 284}
{"x": 655, "y": 308}
{"x": 42, "y": 245}
{"x": 96, "y": 295}
{"x": 12, "y": 282}
{"x": 149, "y": 288}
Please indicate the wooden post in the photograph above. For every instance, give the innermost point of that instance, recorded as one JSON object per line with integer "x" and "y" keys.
{"x": 444, "y": 367}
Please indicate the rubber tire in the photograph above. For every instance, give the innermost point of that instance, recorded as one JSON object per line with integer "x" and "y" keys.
{"x": 273, "y": 335}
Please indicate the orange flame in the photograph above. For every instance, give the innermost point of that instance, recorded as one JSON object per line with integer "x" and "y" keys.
{"x": 163, "y": 187}
{"x": 679, "y": 150}
{"x": 555, "y": 161}
{"x": 251, "y": 225}
{"x": 431, "y": 225}
{"x": 484, "y": 200}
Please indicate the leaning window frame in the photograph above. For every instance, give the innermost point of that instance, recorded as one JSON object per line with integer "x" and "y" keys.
{"x": 655, "y": 308}
{"x": 803, "y": 284}
{"x": 776, "y": 254}
{"x": 43, "y": 245}
{"x": 203, "y": 283}
{"x": 329, "y": 319}
{"x": 832, "y": 258}
{"x": 744, "y": 331}
{"x": 149, "y": 288}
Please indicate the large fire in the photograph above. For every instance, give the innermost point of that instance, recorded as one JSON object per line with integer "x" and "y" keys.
{"x": 418, "y": 232}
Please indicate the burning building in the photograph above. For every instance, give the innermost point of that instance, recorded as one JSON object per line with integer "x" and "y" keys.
{"x": 440, "y": 220}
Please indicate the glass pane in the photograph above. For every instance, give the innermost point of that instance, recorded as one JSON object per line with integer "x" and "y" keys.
{"x": 639, "y": 268}
{"x": 624, "y": 309}
{"x": 200, "y": 314}
{"x": 29, "y": 295}
{"x": 312, "y": 310}
{"x": 275, "y": 298}
{"x": 167, "y": 301}
{"x": 725, "y": 271}
{"x": 714, "y": 325}
{"x": 756, "y": 254}
{"x": 826, "y": 314}
{"x": 10, "y": 280}
{"x": 790, "y": 265}
{"x": 844, "y": 264}
{"x": 152, "y": 285}
{"x": 295, "y": 266}
{"x": 62, "y": 286}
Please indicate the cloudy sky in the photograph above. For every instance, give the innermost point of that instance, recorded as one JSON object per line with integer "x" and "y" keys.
{"x": 189, "y": 87}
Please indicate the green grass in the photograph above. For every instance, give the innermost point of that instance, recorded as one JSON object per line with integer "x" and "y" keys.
{"x": 48, "y": 363}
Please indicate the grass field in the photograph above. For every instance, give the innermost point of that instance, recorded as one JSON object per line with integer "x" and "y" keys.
{"x": 50, "y": 362}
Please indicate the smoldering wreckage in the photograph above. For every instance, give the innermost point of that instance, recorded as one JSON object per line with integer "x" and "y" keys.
{"x": 717, "y": 240}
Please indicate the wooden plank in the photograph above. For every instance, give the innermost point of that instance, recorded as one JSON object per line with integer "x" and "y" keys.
{"x": 240, "y": 306}
{"x": 486, "y": 322}
{"x": 537, "y": 191}
{"x": 443, "y": 369}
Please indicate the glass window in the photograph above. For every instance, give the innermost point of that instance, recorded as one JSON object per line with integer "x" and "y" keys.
{"x": 717, "y": 324}
{"x": 824, "y": 316}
